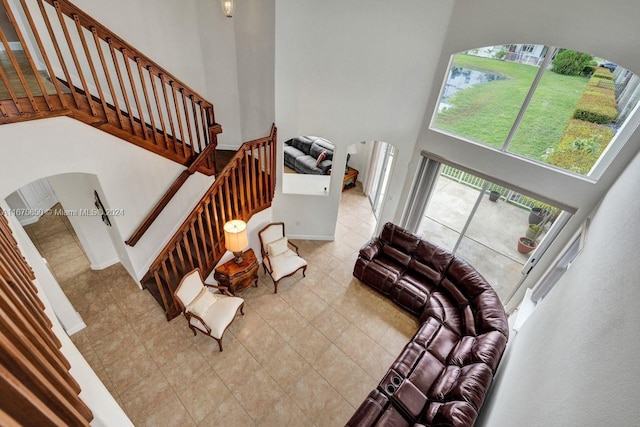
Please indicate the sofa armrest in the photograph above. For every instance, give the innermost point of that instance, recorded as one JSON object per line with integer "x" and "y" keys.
{"x": 372, "y": 249}
{"x": 369, "y": 411}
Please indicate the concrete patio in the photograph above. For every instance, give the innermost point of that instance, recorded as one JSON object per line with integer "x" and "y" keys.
{"x": 490, "y": 243}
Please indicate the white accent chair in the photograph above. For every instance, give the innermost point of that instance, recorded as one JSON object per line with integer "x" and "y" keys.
{"x": 278, "y": 259}
{"x": 208, "y": 312}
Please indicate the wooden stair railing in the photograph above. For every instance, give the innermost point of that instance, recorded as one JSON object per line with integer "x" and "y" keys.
{"x": 244, "y": 187}
{"x": 36, "y": 385}
{"x": 168, "y": 195}
{"x": 72, "y": 65}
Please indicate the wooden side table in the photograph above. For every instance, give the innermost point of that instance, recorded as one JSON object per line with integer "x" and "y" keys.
{"x": 238, "y": 277}
{"x": 350, "y": 179}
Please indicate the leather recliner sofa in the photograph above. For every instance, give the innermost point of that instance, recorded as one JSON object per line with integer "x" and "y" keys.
{"x": 442, "y": 375}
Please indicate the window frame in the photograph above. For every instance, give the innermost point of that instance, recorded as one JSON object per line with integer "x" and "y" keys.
{"x": 614, "y": 147}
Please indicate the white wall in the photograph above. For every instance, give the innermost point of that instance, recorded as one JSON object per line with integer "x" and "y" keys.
{"x": 7, "y": 28}
{"x": 574, "y": 362}
{"x": 218, "y": 56}
{"x": 164, "y": 30}
{"x": 132, "y": 179}
{"x": 348, "y": 72}
{"x": 493, "y": 22}
{"x": 75, "y": 193}
{"x": 255, "y": 35}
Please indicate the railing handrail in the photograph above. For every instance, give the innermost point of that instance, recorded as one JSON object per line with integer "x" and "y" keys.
{"x": 105, "y": 34}
{"x": 102, "y": 80}
{"x": 211, "y": 192}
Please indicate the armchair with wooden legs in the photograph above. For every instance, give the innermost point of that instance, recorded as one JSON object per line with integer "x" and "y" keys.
{"x": 278, "y": 256}
{"x": 208, "y": 312}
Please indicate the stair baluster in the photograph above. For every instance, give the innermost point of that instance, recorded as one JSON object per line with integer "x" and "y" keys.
{"x": 199, "y": 242}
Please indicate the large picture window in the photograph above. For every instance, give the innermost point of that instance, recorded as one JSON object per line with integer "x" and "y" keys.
{"x": 555, "y": 106}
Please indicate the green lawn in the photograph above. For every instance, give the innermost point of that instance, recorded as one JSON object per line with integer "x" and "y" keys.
{"x": 486, "y": 112}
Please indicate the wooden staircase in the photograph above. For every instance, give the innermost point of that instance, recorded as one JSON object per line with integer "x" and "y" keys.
{"x": 71, "y": 65}
{"x": 244, "y": 187}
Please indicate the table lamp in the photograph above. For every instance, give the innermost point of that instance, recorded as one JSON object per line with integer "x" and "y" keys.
{"x": 235, "y": 238}
{"x": 352, "y": 149}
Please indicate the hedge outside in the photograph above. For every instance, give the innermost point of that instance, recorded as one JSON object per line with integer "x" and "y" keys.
{"x": 603, "y": 73}
{"x": 567, "y": 156}
{"x": 598, "y": 102}
{"x": 598, "y": 82}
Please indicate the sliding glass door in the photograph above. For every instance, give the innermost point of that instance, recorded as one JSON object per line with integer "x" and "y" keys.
{"x": 484, "y": 223}
{"x": 381, "y": 164}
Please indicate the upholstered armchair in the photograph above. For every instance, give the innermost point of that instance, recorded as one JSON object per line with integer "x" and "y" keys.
{"x": 207, "y": 312}
{"x": 280, "y": 258}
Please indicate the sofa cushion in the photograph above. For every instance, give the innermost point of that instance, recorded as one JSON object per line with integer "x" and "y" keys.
{"x": 278, "y": 246}
{"x": 379, "y": 275}
{"x": 409, "y": 295}
{"x": 370, "y": 410}
{"x": 399, "y": 238}
{"x": 465, "y": 279}
{"x": 427, "y": 371}
{"x": 488, "y": 313}
{"x": 302, "y": 143}
{"x": 443, "y": 342}
{"x": 409, "y": 356}
{"x": 396, "y": 255}
{"x": 371, "y": 249}
{"x": 293, "y": 152}
{"x": 319, "y": 146}
{"x": 441, "y": 307}
{"x": 449, "y": 414}
{"x": 430, "y": 261}
{"x": 392, "y": 417}
{"x": 463, "y": 283}
{"x": 321, "y": 158}
{"x": 466, "y": 384}
{"x": 417, "y": 281}
{"x": 307, "y": 164}
{"x": 290, "y": 155}
{"x": 202, "y": 303}
{"x": 478, "y": 349}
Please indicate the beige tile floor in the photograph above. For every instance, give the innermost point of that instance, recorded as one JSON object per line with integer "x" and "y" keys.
{"x": 306, "y": 356}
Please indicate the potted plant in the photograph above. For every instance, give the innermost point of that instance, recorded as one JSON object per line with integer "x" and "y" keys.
{"x": 495, "y": 192}
{"x": 540, "y": 211}
{"x": 536, "y": 215}
{"x": 529, "y": 242}
{"x": 526, "y": 245}
{"x": 533, "y": 231}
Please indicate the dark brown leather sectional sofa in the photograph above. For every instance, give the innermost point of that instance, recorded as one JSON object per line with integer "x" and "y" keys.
{"x": 442, "y": 375}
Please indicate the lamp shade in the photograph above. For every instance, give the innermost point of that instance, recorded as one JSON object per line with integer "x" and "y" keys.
{"x": 352, "y": 149}
{"x": 228, "y": 7}
{"x": 235, "y": 235}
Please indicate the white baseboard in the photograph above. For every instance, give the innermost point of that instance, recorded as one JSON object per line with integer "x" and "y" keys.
{"x": 29, "y": 220}
{"x": 227, "y": 147}
{"x": 76, "y": 328}
{"x": 313, "y": 237}
{"x": 105, "y": 264}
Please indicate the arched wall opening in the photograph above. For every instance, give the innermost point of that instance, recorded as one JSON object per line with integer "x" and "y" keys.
{"x": 71, "y": 232}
